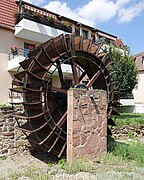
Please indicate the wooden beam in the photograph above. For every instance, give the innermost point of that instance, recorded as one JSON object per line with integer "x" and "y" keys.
{"x": 93, "y": 79}
{"x": 60, "y": 74}
{"x": 75, "y": 75}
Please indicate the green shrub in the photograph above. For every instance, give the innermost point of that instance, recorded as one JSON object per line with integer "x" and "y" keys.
{"x": 62, "y": 163}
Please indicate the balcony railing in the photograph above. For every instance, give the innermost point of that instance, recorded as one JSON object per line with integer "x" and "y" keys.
{"x": 44, "y": 20}
{"x": 17, "y": 53}
{"x": 128, "y": 96}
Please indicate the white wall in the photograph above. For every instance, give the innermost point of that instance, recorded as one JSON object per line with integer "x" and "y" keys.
{"x": 5, "y": 79}
{"x": 138, "y": 92}
{"x": 7, "y": 40}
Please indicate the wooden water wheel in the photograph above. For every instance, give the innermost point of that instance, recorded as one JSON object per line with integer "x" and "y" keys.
{"x": 45, "y": 105}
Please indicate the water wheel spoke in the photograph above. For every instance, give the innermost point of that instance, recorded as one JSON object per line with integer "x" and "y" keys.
{"x": 60, "y": 74}
{"x": 62, "y": 150}
{"x": 75, "y": 73}
{"x": 93, "y": 79}
{"x": 111, "y": 122}
{"x": 82, "y": 76}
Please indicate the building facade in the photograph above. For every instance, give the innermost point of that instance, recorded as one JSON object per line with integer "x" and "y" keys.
{"x": 24, "y": 26}
{"x": 134, "y": 102}
{"x": 139, "y": 90}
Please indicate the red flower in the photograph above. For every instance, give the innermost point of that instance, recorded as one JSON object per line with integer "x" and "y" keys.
{"x": 31, "y": 47}
{"x": 14, "y": 49}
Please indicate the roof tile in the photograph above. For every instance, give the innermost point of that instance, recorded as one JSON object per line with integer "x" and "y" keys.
{"x": 7, "y": 10}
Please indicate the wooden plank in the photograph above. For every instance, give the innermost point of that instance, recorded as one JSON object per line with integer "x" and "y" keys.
{"x": 25, "y": 64}
{"x": 90, "y": 45}
{"x": 20, "y": 75}
{"x": 48, "y": 57}
{"x": 37, "y": 62}
{"x": 18, "y": 89}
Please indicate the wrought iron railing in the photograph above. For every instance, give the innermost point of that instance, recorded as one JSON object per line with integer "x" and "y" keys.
{"x": 16, "y": 53}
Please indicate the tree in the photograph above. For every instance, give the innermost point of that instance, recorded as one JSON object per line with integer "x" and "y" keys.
{"x": 126, "y": 72}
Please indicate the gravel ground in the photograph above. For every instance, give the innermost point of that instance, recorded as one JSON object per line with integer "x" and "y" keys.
{"x": 15, "y": 167}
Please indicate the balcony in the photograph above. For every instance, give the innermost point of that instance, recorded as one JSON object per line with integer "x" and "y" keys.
{"x": 38, "y": 28}
{"x": 15, "y": 58}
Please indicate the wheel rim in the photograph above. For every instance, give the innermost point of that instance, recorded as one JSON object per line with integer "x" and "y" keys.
{"x": 45, "y": 105}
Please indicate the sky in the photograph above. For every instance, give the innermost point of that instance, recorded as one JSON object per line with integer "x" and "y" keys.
{"x": 122, "y": 18}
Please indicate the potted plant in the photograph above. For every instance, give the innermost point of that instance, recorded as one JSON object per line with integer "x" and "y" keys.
{"x": 14, "y": 50}
{"x": 16, "y": 15}
{"x": 65, "y": 24}
{"x": 36, "y": 14}
{"x": 50, "y": 19}
{"x": 4, "y": 107}
{"x": 31, "y": 48}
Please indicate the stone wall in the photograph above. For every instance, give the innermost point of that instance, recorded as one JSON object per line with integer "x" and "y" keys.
{"x": 7, "y": 133}
{"x": 11, "y": 140}
{"x": 86, "y": 124}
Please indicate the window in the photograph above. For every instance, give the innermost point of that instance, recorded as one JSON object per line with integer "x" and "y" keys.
{"x": 85, "y": 34}
{"x": 27, "y": 48}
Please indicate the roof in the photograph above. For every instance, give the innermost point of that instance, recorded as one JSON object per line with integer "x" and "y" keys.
{"x": 119, "y": 42}
{"x": 139, "y": 61}
{"x": 7, "y": 10}
{"x": 100, "y": 32}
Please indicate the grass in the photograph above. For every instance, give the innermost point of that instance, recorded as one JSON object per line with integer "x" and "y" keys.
{"x": 78, "y": 165}
{"x": 133, "y": 151}
{"x": 126, "y": 119}
{"x": 14, "y": 175}
{"x": 37, "y": 174}
{"x": 32, "y": 173}
{"x": 3, "y": 158}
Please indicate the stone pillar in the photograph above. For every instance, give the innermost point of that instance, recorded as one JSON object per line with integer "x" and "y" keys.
{"x": 86, "y": 124}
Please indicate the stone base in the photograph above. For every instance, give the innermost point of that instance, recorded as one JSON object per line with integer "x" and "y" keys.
{"x": 86, "y": 124}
